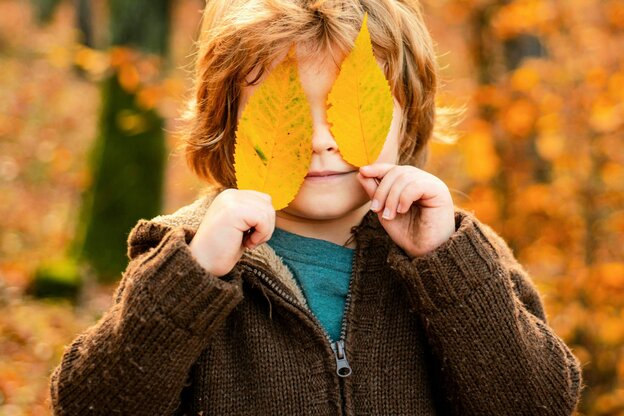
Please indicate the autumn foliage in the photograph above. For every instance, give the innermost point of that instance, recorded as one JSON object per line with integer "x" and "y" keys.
{"x": 539, "y": 156}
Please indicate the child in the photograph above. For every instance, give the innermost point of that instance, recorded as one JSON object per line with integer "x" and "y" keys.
{"x": 228, "y": 307}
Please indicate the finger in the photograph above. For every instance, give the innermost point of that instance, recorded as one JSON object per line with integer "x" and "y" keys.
{"x": 369, "y": 185}
{"x": 255, "y": 211}
{"x": 429, "y": 194}
{"x": 263, "y": 228}
{"x": 270, "y": 224}
{"x": 379, "y": 199}
{"x": 376, "y": 170}
{"x": 414, "y": 192}
{"x": 394, "y": 196}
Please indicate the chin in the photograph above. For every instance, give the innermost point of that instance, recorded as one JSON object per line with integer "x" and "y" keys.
{"x": 325, "y": 206}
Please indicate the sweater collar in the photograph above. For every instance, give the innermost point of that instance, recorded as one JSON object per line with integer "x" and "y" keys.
{"x": 148, "y": 234}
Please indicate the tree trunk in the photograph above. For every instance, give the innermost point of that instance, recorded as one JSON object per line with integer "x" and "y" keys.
{"x": 84, "y": 22}
{"x": 494, "y": 59}
{"x": 45, "y": 9}
{"x": 128, "y": 157}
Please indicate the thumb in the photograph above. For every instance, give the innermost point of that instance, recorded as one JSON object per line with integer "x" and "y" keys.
{"x": 369, "y": 184}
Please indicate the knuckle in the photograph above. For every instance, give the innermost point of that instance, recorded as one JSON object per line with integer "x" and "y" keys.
{"x": 228, "y": 193}
{"x": 228, "y": 197}
{"x": 233, "y": 205}
{"x": 433, "y": 182}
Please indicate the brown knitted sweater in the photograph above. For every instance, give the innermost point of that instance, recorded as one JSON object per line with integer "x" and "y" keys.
{"x": 459, "y": 331}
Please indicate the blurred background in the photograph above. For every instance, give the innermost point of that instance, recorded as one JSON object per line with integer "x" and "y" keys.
{"x": 91, "y": 95}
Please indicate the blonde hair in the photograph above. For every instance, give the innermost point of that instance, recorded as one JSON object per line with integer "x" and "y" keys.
{"x": 238, "y": 36}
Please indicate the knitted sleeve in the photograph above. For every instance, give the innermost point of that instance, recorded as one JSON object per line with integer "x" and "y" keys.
{"x": 135, "y": 360}
{"x": 486, "y": 325}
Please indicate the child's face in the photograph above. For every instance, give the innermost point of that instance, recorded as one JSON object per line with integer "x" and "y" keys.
{"x": 333, "y": 196}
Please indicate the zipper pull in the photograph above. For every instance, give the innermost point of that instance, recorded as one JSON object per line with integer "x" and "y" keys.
{"x": 343, "y": 368}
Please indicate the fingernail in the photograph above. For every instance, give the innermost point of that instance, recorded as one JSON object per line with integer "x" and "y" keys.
{"x": 375, "y": 205}
{"x": 386, "y": 214}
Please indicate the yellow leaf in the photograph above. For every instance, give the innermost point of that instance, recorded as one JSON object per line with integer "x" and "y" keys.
{"x": 482, "y": 162}
{"x": 129, "y": 78}
{"x": 519, "y": 119}
{"x": 525, "y": 79}
{"x": 273, "y": 138}
{"x": 550, "y": 145}
{"x": 59, "y": 56}
{"x": 91, "y": 60}
{"x": 132, "y": 122}
{"x": 606, "y": 115}
{"x": 360, "y": 104}
{"x": 148, "y": 97}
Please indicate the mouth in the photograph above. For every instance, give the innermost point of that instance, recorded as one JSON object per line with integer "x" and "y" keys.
{"x": 326, "y": 175}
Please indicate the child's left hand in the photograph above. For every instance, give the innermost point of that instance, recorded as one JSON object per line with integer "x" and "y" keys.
{"x": 415, "y": 207}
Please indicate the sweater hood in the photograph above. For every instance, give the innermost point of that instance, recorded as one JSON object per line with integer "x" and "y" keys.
{"x": 147, "y": 234}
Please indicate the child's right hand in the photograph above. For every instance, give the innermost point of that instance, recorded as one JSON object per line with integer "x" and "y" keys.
{"x": 221, "y": 240}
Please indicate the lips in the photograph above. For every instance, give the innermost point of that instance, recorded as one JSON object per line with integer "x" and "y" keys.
{"x": 326, "y": 173}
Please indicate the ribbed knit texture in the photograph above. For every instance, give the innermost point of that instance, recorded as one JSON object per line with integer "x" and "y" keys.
{"x": 459, "y": 331}
{"x": 322, "y": 269}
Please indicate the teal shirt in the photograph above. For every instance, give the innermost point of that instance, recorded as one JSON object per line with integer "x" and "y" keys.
{"x": 322, "y": 270}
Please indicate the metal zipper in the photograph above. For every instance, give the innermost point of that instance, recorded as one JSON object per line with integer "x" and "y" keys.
{"x": 342, "y": 365}
{"x": 343, "y": 369}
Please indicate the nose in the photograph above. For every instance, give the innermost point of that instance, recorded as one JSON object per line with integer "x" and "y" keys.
{"x": 322, "y": 139}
